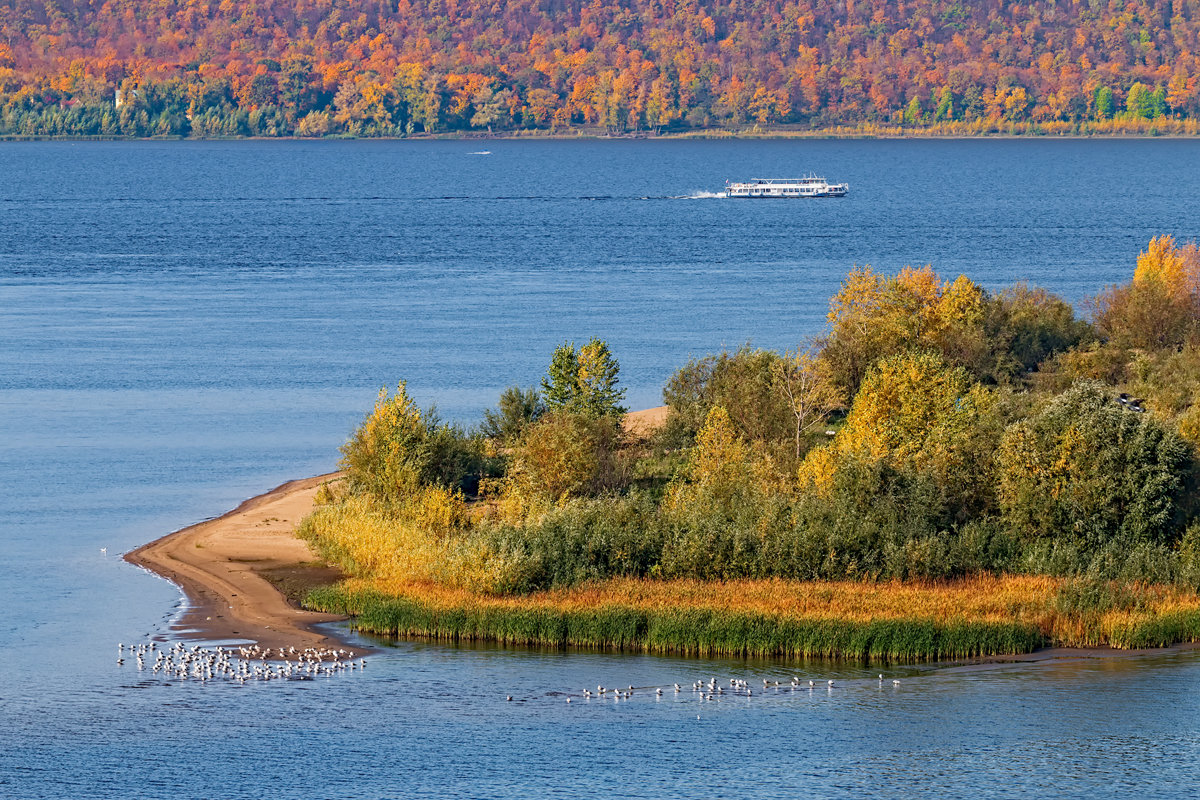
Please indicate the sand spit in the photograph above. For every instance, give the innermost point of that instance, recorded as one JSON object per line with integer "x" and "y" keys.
{"x": 226, "y": 566}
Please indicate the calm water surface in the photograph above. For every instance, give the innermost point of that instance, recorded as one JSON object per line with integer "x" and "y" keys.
{"x": 183, "y": 325}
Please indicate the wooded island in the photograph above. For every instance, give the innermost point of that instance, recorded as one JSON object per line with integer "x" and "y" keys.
{"x": 946, "y": 472}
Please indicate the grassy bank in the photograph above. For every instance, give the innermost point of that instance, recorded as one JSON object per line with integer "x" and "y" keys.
{"x": 894, "y": 621}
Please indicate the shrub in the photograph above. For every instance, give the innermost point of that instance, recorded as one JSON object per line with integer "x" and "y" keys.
{"x": 566, "y": 454}
{"x": 1086, "y": 469}
{"x": 398, "y": 449}
{"x": 744, "y": 383}
{"x": 516, "y": 410}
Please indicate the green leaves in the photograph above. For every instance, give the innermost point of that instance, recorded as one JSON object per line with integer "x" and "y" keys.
{"x": 1086, "y": 469}
{"x": 583, "y": 380}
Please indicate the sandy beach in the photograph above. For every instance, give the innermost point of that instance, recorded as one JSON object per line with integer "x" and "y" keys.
{"x": 230, "y": 568}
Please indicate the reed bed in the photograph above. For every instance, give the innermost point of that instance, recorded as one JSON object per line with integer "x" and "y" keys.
{"x": 893, "y": 621}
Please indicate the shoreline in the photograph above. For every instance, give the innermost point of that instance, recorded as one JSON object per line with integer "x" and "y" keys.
{"x": 709, "y": 134}
{"x": 236, "y": 571}
{"x": 246, "y": 573}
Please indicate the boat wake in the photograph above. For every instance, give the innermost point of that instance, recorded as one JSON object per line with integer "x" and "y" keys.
{"x": 701, "y": 195}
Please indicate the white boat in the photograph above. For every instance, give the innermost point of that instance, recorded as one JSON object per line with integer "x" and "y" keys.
{"x": 812, "y": 186}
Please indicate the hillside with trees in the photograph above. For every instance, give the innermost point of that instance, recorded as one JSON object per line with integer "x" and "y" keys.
{"x": 349, "y": 67}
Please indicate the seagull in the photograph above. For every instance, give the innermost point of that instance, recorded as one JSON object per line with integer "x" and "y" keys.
{"x": 103, "y": 551}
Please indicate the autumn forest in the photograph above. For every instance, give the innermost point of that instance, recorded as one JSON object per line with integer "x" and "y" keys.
{"x": 357, "y": 68}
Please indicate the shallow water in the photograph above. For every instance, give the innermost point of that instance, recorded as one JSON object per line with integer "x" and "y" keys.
{"x": 183, "y": 325}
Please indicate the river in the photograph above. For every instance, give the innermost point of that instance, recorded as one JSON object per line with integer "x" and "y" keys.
{"x": 186, "y": 324}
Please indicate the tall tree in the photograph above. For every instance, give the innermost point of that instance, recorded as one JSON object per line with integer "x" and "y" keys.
{"x": 584, "y": 380}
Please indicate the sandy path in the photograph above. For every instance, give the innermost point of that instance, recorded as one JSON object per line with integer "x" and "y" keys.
{"x": 220, "y": 565}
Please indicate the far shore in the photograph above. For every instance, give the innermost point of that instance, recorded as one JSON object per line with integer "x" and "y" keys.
{"x": 710, "y": 134}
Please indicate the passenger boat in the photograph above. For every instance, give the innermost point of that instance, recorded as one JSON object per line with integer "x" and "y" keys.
{"x": 812, "y": 186}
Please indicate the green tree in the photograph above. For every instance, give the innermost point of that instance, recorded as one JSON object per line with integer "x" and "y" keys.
{"x": 584, "y": 380}
{"x": 1140, "y": 101}
{"x": 945, "y": 106}
{"x": 1158, "y": 102}
{"x": 1088, "y": 470}
{"x": 743, "y": 382}
{"x": 516, "y": 410}
{"x": 1105, "y": 105}
{"x": 912, "y": 112}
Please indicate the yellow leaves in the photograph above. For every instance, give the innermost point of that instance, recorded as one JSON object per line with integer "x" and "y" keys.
{"x": 718, "y": 450}
{"x": 874, "y": 316}
{"x": 1070, "y": 444}
{"x": 915, "y": 411}
{"x": 900, "y": 402}
{"x": 817, "y": 471}
{"x": 1177, "y": 269}
{"x": 859, "y": 298}
{"x": 437, "y": 509}
{"x": 1189, "y": 425}
{"x": 722, "y": 468}
{"x": 961, "y": 303}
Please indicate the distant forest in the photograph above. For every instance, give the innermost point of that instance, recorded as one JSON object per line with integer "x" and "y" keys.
{"x": 368, "y": 68}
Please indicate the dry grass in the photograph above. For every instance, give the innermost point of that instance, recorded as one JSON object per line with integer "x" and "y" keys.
{"x": 902, "y": 621}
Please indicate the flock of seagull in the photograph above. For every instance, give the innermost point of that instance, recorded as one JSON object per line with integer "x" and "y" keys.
{"x": 254, "y": 663}
{"x": 712, "y": 689}
{"x": 239, "y": 664}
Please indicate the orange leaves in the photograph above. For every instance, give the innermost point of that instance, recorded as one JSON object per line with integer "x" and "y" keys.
{"x": 762, "y": 63}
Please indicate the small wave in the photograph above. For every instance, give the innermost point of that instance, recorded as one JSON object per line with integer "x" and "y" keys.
{"x": 480, "y": 153}
{"x": 701, "y": 195}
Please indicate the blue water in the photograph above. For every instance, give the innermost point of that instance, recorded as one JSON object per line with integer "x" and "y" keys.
{"x": 183, "y": 325}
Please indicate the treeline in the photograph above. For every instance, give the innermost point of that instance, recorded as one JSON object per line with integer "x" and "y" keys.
{"x": 269, "y": 68}
{"x": 936, "y": 430}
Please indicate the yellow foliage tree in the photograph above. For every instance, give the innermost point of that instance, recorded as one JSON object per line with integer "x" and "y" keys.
{"x": 874, "y": 316}
{"x": 916, "y": 412}
{"x": 1175, "y": 268}
{"x": 722, "y": 468}
{"x": 384, "y": 455}
{"x": 1160, "y": 307}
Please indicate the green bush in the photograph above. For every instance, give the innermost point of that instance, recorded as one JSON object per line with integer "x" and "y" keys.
{"x": 1087, "y": 469}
